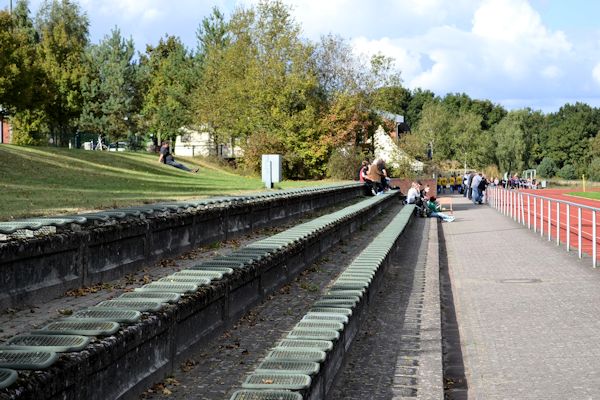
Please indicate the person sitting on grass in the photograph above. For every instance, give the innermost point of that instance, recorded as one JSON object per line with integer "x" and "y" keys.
{"x": 435, "y": 210}
{"x": 167, "y": 158}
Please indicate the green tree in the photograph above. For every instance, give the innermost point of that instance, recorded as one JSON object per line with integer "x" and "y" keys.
{"x": 110, "y": 88}
{"x": 169, "y": 84}
{"x": 490, "y": 113}
{"x": 418, "y": 100}
{"x": 547, "y": 168}
{"x": 570, "y": 131}
{"x": 468, "y": 145}
{"x": 593, "y": 171}
{"x": 510, "y": 141}
{"x": 261, "y": 82}
{"x": 567, "y": 172}
{"x": 17, "y": 61}
{"x": 433, "y": 132}
{"x": 212, "y": 34}
{"x": 535, "y": 124}
{"x": 221, "y": 73}
{"x": 63, "y": 30}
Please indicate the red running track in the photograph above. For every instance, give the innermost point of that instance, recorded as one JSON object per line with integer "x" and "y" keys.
{"x": 531, "y": 215}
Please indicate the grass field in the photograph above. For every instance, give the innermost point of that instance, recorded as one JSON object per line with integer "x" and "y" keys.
{"x": 587, "y": 195}
{"x": 47, "y": 181}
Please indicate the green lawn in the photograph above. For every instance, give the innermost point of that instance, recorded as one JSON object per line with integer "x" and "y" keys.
{"x": 46, "y": 181}
{"x": 587, "y": 195}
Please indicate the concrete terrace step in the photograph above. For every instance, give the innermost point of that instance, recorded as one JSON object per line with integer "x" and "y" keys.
{"x": 79, "y": 250}
{"x": 163, "y": 338}
{"x": 327, "y": 327}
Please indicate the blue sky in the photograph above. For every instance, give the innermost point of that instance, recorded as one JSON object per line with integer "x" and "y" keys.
{"x": 518, "y": 53}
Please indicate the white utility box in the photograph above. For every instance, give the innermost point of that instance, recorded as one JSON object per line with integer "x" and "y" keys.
{"x": 271, "y": 169}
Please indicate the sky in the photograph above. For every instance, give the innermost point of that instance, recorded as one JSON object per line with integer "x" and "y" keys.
{"x": 518, "y": 53}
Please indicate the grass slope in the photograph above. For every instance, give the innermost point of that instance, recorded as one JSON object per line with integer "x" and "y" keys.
{"x": 47, "y": 181}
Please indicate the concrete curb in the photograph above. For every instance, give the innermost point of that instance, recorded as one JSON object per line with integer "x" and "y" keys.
{"x": 431, "y": 380}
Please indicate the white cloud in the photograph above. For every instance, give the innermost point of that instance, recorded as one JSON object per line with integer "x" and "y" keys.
{"x": 506, "y": 53}
{"x": 375, "y": 19}
{"x": 552, "y": 72}
{"x": 596, "y": 73}
{"x": 517, "y": 23}
{"x": 405, "y": 60}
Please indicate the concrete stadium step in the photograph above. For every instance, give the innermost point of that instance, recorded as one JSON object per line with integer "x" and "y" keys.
{"x": 339, "y": 334}
{"x": 312, "y": 242}
{"x": 49, "y": 256}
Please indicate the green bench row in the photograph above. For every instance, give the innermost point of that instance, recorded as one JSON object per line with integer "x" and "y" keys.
{"x": 288, "y": 370}
{"x": 38, "y": 350}
{"x": 34, "y": 224}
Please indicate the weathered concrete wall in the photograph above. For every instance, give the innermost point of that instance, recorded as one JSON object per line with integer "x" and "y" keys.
{"x": 123, "y": 365}
{"x": 41, "y": 268}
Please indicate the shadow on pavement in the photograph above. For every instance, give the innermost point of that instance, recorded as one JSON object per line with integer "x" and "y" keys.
{"x": 455, "y": 382}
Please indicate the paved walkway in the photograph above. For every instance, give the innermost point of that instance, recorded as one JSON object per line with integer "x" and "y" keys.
{"x": 528, "y": 312}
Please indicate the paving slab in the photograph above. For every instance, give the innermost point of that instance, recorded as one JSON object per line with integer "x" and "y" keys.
{"x": 527, "y": 311}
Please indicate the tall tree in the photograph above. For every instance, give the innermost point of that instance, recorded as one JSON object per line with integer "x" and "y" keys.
{"x": 569, "y": 133}
{"x": 18, "y": 70}
{"x": 169, "y": 82}
{"x": 465, "y": 132}
{"x": 433, "y": 132}
{"x": 212, "y": 34}
{"x": 510, "y": 139}
{"x": 63, "y": 30}
{"x": 262, "y": 82}
{"x": 418, "y": 100}
{"x": 213, "y": 101}
{"x": 336, "y": 67}
{"x": 109, "y": 88}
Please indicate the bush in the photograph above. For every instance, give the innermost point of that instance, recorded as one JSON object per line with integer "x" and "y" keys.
{"x": 260, "y": 143}
{"x": 345, "y": 163}
{"x": 29, "y": 128}
{"x": 567, "y": 172}
{"x": 593, "y": 171}
{"x": 547, "y": 168}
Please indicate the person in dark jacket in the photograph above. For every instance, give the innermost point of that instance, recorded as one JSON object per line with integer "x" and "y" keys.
{"x": 166, "y": 157}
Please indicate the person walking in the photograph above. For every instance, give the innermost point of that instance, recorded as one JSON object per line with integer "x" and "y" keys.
{"x": 481, "y": 188}
{"x": 470, "y": 185}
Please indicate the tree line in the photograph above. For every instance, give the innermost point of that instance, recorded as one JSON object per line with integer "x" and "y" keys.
{"x": 253, "y": 80}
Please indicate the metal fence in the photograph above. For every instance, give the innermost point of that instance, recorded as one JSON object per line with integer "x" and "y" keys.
{"x": 571, "y": 224}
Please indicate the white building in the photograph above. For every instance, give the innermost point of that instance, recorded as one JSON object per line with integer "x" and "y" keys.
{"x": 192, "y": 143}
{"x": 387, "y": 149}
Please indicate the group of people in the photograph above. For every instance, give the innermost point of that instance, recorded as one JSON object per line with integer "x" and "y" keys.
{"x": 374, "y": 176}
{"x": 452, "y": 182}
{"x": 474, "y": 187}
{"x": 419, "y": 195}
{"x": 515, "y": 182}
